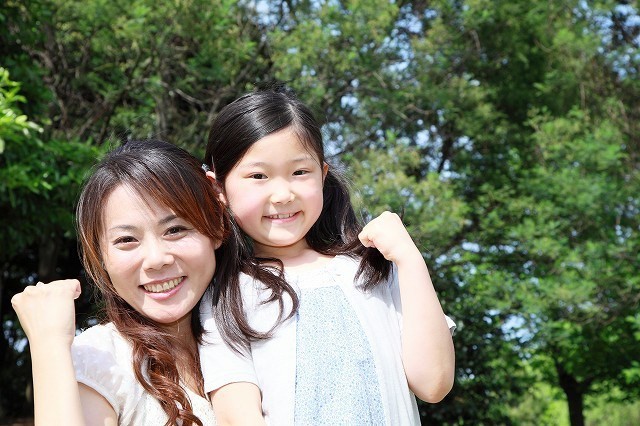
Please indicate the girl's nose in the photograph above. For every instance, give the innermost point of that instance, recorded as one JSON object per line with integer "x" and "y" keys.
{"x": 281, "y": 193}
{"x": 156, "y": 256}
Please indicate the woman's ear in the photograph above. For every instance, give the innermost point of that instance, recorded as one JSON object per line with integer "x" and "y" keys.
{"x": 216, "y": 185}
{"x": 325, "y": 170}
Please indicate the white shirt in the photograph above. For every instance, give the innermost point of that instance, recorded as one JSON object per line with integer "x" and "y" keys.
{"x": 102, "y": 359}
{"x": 338, "y": 360}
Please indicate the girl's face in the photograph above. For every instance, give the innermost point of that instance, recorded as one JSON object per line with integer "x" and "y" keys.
{"x": 275, "y": 193}
{"x": 157, "y": 262}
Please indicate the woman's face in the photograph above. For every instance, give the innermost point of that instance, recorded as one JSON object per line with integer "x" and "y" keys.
{"x": 157, "y": 262}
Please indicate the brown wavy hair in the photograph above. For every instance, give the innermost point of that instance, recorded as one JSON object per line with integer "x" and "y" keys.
{"x": 172, "y": 177}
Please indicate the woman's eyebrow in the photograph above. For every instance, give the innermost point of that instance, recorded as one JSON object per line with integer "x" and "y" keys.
{"x": 162, "y": 221}
{"x": 168, "y": 219}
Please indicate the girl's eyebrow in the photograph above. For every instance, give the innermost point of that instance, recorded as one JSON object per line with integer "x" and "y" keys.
{"x": 253, "y": 164}
{"x": 265, "y": 164}
{"x": 303, "y": 158}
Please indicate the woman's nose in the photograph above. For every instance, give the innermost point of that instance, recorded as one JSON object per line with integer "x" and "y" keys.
{"x": 156, "y": 256}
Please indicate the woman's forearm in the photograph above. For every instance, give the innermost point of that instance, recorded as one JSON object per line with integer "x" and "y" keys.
{"x": 56, "y": 395}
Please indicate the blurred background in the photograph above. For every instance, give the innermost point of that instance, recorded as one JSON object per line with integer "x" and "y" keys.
{"x": 507, "y": 132}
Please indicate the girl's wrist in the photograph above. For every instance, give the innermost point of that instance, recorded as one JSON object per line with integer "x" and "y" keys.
{"x": 408, "y": 255}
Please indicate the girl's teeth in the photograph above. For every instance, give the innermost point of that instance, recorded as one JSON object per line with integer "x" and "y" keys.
{"x": 281, "y": 216}
{"x": 166, "y": 286}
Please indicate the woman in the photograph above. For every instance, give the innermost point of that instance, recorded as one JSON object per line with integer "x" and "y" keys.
{"x": 154, "y": 236}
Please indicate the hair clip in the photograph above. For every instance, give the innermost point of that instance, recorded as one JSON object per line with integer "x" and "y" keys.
{"x": 205, "y": 168}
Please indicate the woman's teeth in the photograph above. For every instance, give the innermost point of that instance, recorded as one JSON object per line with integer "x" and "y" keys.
{"x": 165, "y": 286}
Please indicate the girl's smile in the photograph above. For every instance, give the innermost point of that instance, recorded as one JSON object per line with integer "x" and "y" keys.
{"x": 281, "y": 216}
{"x": 275, "y": 192}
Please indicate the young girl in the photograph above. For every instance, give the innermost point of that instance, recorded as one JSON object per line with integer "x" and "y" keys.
{"x": 355, "y": 329}
{"x": 149, "y": 223}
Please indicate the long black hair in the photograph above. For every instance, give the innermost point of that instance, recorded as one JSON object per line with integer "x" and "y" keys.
{"x": 261, "y": 113}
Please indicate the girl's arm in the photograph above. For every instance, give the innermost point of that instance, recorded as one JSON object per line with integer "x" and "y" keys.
{"x": 237, "y": 404}
{"x": 96, "y": 409}
{"x": 229, "y": 376}
{"x": 47, "y": 315}
{"x": 427, "y": 346}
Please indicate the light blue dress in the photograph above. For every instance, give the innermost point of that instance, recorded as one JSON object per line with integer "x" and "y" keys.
{"x": 337, "y": 362}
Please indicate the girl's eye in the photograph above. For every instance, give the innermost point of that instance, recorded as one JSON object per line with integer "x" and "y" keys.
{"x": 258, "y": 176}
{"x": 300, "y": 172}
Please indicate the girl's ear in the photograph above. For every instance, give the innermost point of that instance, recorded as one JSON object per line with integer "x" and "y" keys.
{"x": 325, "y": 170}
{"x": 216, "y": 185}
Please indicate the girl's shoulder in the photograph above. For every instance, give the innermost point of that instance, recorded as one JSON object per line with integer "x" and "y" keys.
{"x": 337, "y": 270}
{"x": 321, "y": 266}
{"x": 336, "y": 263}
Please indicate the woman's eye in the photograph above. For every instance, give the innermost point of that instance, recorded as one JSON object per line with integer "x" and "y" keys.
{"x": 258, "y": 176}
{"x": 124, "y": 240}
{"x": 300, "y": 172}
{"x": 176, "y": 230}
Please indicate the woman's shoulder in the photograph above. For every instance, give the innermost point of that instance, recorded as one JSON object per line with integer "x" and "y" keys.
{"x": 103, "y": 344}
{"x": 101, "y": 334}
{"x": 102, "y": 360}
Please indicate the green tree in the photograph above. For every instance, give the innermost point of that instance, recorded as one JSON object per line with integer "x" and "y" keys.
{"x": 582, "y": 254}
{"x": 136, "y": 68}
{"x": 469, "y": 87}
{"x": 556, "y": 202}
{"x": 505, "y": 132}
{"x": 93, "y": 73}
{"x": 39, "y": 181}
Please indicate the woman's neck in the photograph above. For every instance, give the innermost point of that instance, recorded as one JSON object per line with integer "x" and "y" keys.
{"x": 181, "y": 330}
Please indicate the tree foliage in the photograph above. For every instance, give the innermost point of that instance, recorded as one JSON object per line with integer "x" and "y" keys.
{"x": 39, "y": 183}
{"x": 506, "y": 133}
